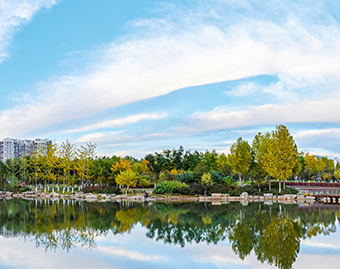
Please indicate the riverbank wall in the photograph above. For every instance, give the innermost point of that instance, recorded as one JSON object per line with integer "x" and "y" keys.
{"x": 215, "y": 198}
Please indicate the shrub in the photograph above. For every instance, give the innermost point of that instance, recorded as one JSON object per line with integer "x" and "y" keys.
{"x": 228, "y": 180}
{"x": 13, "y": 181}
{"x": 254, "y": 189}
{"x": 187, "y": 178}
{"x": 168, "y": 187}
{"x": 222, "y": 188}
{"x": 193, "y": 189}
{"x": 102, "y": 189}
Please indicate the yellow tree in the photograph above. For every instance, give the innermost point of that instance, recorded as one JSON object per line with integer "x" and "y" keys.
{"x": 337, "y": 174}
{"x": 42, "y": 160}
{"x": 51, "y": 161}
{"x": 240, "y": 157}
{"x": 320, "y": 166}
{"x": 260, "y": 149}
{"x": 121, "y": 165}
{"x": 222, "y": 162}
{"x": 282, "y": 158}
{"x": 66, "y": 154}
{"x": 84, "y": 160}
{"x": 310, "y": 163}
{"x": 127, "y": 178}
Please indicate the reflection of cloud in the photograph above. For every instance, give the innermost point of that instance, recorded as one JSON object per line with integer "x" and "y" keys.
{"x": 131, "y": 254}
{"x": 19, "y": 254}
{"x": 318, "y": 244}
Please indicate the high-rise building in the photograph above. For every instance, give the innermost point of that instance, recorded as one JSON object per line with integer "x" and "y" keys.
{"x": 11, "y": 147}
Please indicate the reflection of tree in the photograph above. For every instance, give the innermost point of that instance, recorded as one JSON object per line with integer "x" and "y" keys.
{"x": 242, "y": 237}
{"x": 279, "y": 242}
{"x": 273, "y": 232}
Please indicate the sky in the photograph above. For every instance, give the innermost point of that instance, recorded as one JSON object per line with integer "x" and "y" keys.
{"x": 139, "y": 76}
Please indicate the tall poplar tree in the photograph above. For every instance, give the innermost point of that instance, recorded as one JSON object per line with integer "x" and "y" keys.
{"x": 282, "y": 158}
{"x": 240, "y": 157}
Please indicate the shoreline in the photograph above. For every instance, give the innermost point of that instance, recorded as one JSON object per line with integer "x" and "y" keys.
{"x": 215, "y": 198}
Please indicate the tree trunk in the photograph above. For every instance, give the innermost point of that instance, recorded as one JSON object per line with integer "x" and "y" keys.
{"x": 284, "y": 184}
{"x": 279, "y": 186}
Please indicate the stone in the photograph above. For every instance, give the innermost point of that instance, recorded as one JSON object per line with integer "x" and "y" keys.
{"x": 244, "y": 195}
{"x": 290, "y": 196}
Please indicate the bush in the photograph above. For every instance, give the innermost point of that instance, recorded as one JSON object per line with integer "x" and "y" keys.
{"x": 229, "y": 180}
{"x": 187, "y": 178}
{"x": 222, "y": 188}
{"x": 13, "y": 181}
{"x": 193, "y": 189}
{"x": 254, "y": 189}
{"x": 168, "y": 187}
{"x": 102, "y": 189}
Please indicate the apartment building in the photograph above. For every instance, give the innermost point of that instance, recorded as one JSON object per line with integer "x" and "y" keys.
{"x": 11, "y": 147}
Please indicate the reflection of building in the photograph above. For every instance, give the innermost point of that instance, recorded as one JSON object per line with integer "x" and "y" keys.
{"x": 11, "y": 148}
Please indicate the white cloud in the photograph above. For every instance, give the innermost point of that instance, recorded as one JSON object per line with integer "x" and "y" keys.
{"x": 244, "y": 89}
{"x": 13, "y": 13}
{"x": 326, "y": 110}
{"x": 315, "y": 133}
{"x": 132, "y": 119}
{"x": 102, "y": 137}
{"x": 194, "y": 54}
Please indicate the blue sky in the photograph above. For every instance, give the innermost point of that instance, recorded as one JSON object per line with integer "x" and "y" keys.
{"x": 139, "y": 76}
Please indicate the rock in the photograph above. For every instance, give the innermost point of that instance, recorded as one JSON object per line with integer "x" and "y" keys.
{"x": 244, "y": 195}
{"x": 54, "y": 194}
{"x": 290, "y": 196}
{"x": 281, "y": 198}
{"x": 268, "y": 195}
{"x": 8, "y": 193}
{"x": 268, "y": 202}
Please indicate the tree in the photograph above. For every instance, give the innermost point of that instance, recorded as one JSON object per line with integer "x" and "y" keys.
{"x": 281, "y": 158}
{"x": 337, "y": 174}
{"x": 240, "y": 157}
{"x": 260, "y": 148}
{"x": 310, "y": 162}
{"x": 66, "y": 153}
{"x": 127, "y": 178}
{"x": 206, "y": 180}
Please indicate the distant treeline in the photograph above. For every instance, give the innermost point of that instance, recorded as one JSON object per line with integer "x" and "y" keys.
{"x": 270, "y": 156}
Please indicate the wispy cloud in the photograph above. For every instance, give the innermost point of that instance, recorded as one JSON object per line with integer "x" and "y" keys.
{"x": 121, "y": 122}
{"x": 244, "y": 89}
{"x": 201, "y": 43}
{"x": 14, "y": 13}
{"x": 220, "y": 118}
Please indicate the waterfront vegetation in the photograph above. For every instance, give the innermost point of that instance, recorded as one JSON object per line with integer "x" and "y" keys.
{"x": 272, "y": 232}
{"x": 271, "y": 157}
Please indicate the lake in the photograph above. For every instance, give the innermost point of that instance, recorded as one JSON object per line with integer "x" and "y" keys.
{"x": 70, "y": 234}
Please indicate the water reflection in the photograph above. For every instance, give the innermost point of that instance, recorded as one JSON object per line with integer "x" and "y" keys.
{"x": 272, "y": 232}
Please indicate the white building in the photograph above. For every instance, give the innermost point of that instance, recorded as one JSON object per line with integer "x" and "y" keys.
{"x": 11, "y": 147}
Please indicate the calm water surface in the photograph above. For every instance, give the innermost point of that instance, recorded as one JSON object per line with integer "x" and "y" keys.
{"x": 41, "y": 234}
